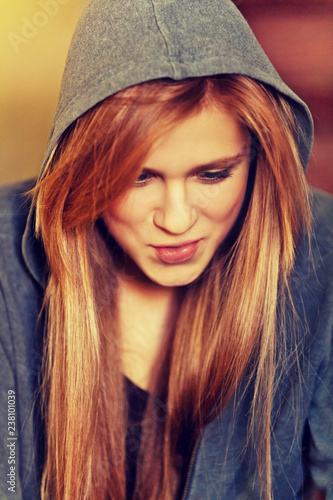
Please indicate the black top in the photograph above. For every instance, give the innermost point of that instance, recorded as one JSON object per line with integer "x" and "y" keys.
{"x": 137, "y": 400}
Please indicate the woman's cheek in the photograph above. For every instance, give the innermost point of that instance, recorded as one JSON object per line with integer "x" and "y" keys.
{"x": 222, "y": 208}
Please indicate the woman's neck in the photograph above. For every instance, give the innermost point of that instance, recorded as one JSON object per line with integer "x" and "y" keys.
{"x": 147, "y": 315}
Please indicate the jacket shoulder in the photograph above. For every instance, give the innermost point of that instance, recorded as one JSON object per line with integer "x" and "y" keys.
{"x": 14, "y": 211}
{"x": 322, "y": 212}
{"x": 321, "y": 242}
{"x": 14, "y": 201}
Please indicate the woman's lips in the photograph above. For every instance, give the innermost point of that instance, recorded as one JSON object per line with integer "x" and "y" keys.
{"x": 176, "y": 254}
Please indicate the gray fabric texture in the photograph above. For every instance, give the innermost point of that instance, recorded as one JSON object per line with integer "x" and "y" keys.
{"x": 119, "y": 43}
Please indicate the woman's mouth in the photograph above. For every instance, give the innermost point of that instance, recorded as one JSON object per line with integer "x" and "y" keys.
{"x": 177, "y": 254}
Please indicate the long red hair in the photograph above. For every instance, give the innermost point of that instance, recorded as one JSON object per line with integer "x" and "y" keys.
{"x": 227, "y": 321}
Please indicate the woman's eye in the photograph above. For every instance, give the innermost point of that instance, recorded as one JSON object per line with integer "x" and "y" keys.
{"x": 143, "y": 179}
{"x": 218, "y": 176}
{"x": 206, "y": 176}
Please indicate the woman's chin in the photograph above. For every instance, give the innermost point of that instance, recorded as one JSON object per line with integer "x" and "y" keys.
{"x": 174, "y": 279}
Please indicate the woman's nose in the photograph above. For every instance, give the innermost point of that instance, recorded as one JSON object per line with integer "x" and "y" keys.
{"x": 175, "y": 213}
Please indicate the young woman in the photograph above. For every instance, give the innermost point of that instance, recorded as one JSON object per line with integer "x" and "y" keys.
{"x": 166, "y": 304}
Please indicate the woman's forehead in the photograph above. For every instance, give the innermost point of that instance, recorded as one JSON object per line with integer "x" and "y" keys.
{"x": 206, "y": 137}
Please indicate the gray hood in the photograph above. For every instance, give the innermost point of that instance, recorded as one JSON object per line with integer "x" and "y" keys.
{"x": 119, "y": 43}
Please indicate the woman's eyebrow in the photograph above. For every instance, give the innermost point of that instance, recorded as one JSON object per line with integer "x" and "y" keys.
{"x": 218, "y": 164}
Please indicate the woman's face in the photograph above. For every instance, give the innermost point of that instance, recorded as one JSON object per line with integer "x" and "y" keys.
{"x": 186, "y": 198}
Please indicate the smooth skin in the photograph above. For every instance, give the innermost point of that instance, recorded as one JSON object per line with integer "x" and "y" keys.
{"x": 184, "y": 203}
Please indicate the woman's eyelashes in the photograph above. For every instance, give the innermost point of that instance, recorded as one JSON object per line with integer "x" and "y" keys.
{"x": 144, "y": 178}
{"x": 211, "y": 177}
{"x": 206, "y": 176}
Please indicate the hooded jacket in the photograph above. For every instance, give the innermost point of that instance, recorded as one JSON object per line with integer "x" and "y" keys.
{"x": 117, "y": 44}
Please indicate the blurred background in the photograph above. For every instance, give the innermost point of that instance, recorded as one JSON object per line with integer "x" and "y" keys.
{"x": 34, "y": 40}
{"x": 297, "y": 35}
